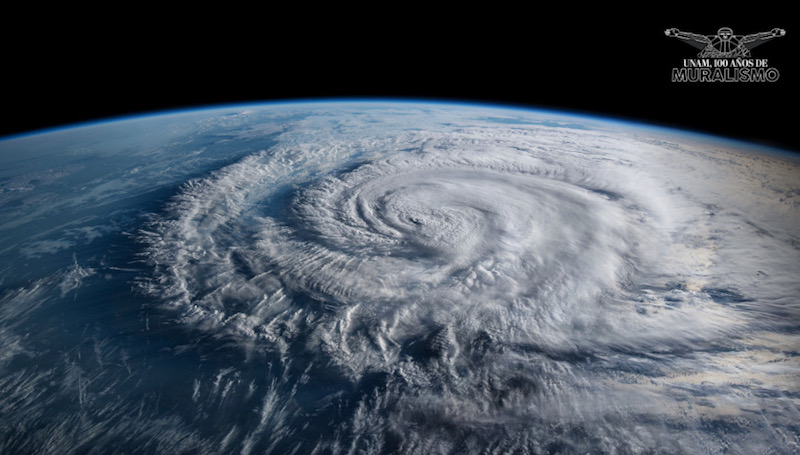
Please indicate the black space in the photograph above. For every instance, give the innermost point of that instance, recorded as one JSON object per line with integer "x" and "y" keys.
{"x": 73, "y": 68}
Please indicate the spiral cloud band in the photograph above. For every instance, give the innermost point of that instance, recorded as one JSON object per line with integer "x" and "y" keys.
{"x": 440, "y": 282}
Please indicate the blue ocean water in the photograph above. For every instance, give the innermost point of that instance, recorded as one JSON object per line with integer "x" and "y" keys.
{"x": 391, "y": 278}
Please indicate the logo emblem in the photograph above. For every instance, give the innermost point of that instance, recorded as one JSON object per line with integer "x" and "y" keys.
{"x": 725, "y": 57}
{"x": 725, "y": 44}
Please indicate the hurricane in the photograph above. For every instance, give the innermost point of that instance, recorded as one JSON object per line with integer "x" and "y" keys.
{"x": 450, "y": 279}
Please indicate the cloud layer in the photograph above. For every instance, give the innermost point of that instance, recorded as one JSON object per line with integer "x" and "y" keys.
{"x": 481, "y": 284}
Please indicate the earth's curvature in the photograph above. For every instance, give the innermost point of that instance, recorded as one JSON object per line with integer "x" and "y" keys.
{"x": 385, "y": 277}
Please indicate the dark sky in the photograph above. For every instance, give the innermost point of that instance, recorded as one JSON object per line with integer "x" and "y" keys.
{"x": 599, "y": 61}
